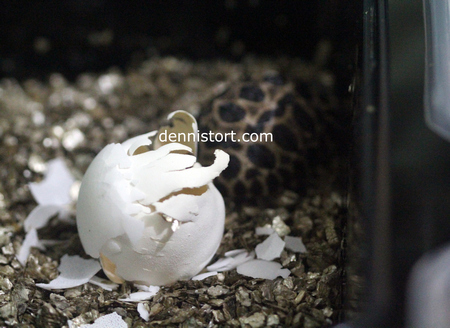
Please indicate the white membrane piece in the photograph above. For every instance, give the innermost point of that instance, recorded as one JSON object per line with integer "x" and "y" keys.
{"x": 263, "y": 269}
{"x": 75, "y": 271}
{"x": 295, "y": 244}
{"x": 270, "y": 248}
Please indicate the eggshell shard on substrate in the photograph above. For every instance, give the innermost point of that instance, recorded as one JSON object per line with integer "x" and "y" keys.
{"x": 266, "y": 230}
{"x": 270, "y": 248}
{"x": 205, "y": 275}
{"x": 152, "y": 216}
{"x": 295, "y": 244}
{"x": 54, "y": 189}
{"x": 263, "y": 269}
{"x": 143, "y": 312}
{"x": 52, "y": 195}
{"x": 103, "y": 283}
{"x": 31, "y": 240}
{"x": 141, "y": 296}
{"x": 112, "y": 320}
{"x": 74, "y": 271}
{"x": 231, "y": 260}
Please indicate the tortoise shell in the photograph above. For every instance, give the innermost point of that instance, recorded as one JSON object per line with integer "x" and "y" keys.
{"x": 272, "y": 133}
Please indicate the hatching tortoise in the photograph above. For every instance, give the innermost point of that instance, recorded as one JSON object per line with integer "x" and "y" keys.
{"x": 288, "y": 120}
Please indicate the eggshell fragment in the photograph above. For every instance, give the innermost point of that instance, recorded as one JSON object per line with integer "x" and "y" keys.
{"x": 40, "y": 216}
{"x": 204, "y": 275}
{"x": 231, "y": 260}
{"x": 145, "y": 288}
{"x": 266, "y": 230}
{"x": 270, "y": 248}
{"x": 162, "y": 255}
{"x": 143, "y": 312}
{"x": 52, "y": 195}
{"x": 295, "y": 244}
{"x": 54, "y": 189}
{"x": 103, "y": 283}
{"x": 142, "y": 296}
{"x": 75, "y": 271}
{"x": 112, "y": 320}
{"x": 152, "y": 216}
{"x": 262, "y": 269}
{"x": 31, "y": 240}
{"x": 235, "y": 252}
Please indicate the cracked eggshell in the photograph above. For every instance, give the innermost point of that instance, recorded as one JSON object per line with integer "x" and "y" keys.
{"x": 152, "y": 217}
{"x": 163, "y": 256}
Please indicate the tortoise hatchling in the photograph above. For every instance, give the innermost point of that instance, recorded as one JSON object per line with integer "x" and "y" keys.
{"x": 287, "y": 119}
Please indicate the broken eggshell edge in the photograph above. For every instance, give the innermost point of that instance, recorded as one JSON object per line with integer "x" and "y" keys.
{"x": 153, "y": 217}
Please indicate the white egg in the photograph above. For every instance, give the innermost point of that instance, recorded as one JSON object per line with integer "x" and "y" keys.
{"x": 152, "y": 216}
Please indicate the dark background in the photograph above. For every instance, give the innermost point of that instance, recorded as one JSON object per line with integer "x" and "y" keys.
{"x": 74, "y": 36}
